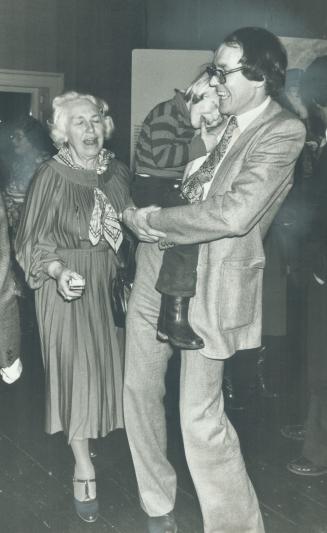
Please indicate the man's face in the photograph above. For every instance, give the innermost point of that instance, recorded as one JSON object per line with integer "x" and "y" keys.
{"x": 238, "y": 94}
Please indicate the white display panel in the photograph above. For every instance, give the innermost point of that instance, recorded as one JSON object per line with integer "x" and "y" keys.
{"x": 155, "y": 75}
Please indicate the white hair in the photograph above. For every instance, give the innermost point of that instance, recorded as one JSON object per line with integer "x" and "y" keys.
{"x": 60, "y": 105}
{"x": 198, "y": 88}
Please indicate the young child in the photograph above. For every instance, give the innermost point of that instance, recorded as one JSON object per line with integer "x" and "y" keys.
{"x": 170, "y": 139}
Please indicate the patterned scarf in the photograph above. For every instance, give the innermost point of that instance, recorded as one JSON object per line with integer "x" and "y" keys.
{"x": 103, "y": 160}
{"x": 104, "y": 222}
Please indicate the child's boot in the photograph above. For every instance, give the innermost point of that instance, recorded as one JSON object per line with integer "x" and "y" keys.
{"x": 173, "y": 325}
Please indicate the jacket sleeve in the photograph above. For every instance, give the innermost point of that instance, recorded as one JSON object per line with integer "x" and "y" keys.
{"x": 35, "y": 244}
{"x": 266, "y": 173}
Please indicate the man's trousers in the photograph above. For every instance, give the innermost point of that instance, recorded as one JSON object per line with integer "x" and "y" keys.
{"x": 227, "y": 499}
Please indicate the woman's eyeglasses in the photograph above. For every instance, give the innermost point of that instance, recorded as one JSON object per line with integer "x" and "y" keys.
{"x": 220, "y": 73}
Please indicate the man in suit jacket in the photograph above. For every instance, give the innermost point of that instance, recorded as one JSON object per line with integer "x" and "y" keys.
{"x": 247, "y": 187}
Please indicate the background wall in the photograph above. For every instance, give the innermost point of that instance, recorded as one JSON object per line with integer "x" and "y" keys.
{"x": 202, "y": 24}
{"x": 90, "y": 41}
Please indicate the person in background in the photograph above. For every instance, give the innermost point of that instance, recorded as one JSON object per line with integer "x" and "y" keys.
{"x": 167, "y": 142}
{"x": 67, "y": 245}
{"x": 31, "y": 146}
{"x": 10, "y": 363}
{"x": 242, "y": 183}
{"x": 292, "y": 93}
{"x": 313, "y": 460}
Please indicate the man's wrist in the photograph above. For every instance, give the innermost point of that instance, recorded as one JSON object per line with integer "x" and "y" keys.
{"x": 122, "y": 213}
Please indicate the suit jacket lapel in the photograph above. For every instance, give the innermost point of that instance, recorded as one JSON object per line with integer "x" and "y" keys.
{"x": 245, "y": 138}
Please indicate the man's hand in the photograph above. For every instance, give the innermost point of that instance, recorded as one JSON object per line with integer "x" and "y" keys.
{"x": 136, "y": 221}
{"x": 209, "y": 136}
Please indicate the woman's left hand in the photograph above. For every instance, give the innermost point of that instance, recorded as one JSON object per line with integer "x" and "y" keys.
{"x": 65, "y": 278}
{"x": 65, "y": 286}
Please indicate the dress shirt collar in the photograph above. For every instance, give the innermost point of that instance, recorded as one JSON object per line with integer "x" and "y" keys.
{"x": 245, "y": 119}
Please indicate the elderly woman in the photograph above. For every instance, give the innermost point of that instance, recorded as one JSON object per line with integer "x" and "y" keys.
{"x": 67, "y": 243}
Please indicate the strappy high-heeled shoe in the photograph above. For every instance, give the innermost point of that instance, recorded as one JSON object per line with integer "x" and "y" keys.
{"x": 88, "y": 509}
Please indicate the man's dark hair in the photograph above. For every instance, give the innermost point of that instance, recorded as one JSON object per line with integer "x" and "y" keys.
{"x": 313, "y": 85}
{"x": 264, "y": 56}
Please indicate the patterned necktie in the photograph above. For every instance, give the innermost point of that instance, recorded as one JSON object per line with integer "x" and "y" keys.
{"x": 104, "y": 222}
{"x": 192, "y": 188}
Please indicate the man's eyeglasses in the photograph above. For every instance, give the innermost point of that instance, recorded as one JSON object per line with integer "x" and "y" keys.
{"x": 220, "y": 73}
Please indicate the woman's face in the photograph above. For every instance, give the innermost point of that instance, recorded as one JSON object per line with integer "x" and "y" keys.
{"x": 84, "y": 129}
{"x": 20, "y": 143}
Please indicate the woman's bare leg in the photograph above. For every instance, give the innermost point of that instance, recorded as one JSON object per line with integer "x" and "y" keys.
{"x": 84, "y": 468}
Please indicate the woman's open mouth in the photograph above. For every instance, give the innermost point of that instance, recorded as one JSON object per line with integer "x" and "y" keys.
{"x": 91, "y": 141}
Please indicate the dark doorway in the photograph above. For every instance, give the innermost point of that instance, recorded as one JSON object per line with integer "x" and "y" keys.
{"x": 13, "y": 105}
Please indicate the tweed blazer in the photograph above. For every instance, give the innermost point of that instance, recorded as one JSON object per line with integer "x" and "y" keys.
{"x": 245, "y": 195}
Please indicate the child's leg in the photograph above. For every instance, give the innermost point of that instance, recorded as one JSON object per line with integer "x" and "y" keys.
{"x": 177, "y": 283}
{"x": 177, "y": 276}
{"x": 152, "y": 190}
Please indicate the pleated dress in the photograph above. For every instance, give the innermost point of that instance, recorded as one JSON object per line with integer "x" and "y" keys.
{"x": 81, "y": 348}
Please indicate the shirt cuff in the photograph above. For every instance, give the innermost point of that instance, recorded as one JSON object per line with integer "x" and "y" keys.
{"x": 318, "y": 280}
{"x": 11, "y": 373}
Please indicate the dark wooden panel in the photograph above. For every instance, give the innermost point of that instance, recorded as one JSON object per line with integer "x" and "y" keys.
{"x": 28, "y": 34}
{"x": 198, "y": 24}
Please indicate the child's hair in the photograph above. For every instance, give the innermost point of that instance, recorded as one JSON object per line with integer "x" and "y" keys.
{"x": 198, "y": 88}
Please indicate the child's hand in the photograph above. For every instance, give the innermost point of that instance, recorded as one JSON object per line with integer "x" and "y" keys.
{"x": 210, "y": 136}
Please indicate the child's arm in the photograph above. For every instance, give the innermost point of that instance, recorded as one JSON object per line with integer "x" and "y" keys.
{"x": 171, "y": 147}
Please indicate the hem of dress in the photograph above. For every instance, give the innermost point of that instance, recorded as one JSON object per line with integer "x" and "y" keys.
{"x": 91, "y": 436}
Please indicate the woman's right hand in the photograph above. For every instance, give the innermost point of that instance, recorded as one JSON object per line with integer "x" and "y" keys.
{"x": 136, "y": 220}
{"x": 63, "y": 275}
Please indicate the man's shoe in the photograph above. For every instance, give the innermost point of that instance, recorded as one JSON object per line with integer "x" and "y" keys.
{"x": 304, "y": 467}
{"x": 162, "y": 524}
{"x": 173, "y": 325}
{"x": 293, "y": 432}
